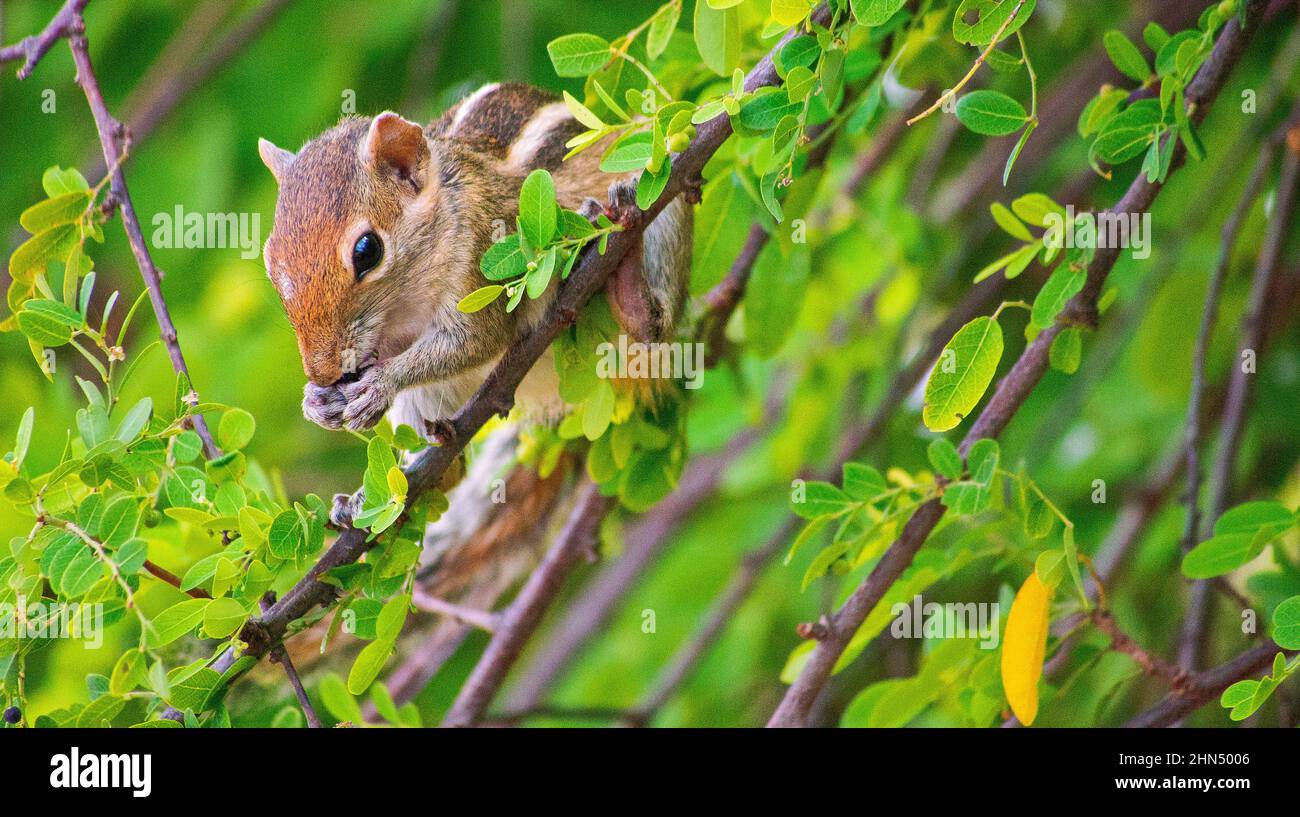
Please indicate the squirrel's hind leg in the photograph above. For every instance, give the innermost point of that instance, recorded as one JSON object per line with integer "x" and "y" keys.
{"x": 647, "y": 290}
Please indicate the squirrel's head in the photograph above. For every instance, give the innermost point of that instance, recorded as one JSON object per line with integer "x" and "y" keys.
{"x": 356, "y": 222}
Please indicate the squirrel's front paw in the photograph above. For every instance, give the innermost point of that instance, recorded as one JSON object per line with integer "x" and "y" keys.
{"x": 324, "y": 405}
{"x": 368, "y": 397}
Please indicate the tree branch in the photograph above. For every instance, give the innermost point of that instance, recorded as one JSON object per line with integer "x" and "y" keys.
{"x": 1011, "y": 393}
{"x": 519, "y": 621}
{"x": 1240, "y": 385}
{"x": 1202, "y": 687}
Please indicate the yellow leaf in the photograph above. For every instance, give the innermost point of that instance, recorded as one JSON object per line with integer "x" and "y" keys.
{"x": 790, "y": 12}
{"x": 1023, "y": 648}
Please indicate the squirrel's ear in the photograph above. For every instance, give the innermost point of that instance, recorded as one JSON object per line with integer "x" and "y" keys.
{"x": 277, "y": 160}
{"x": 395, "y": 143}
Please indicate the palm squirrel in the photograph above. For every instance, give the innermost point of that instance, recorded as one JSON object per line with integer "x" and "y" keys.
{"x": 379, "y": 228}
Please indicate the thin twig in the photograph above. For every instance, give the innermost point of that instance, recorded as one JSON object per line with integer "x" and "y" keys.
{"x": 482, "y": 619}
{"x": 165, "y": 575}
{"x": 112, "y": 140}
{"x": 984, "y": 55}
{"x": 1151, "y": 664}
{"x": 279, "y": 655}
{"x": 31, "y": 49}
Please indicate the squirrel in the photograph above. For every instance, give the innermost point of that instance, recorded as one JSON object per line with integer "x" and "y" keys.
{"x": 378, "y": 231}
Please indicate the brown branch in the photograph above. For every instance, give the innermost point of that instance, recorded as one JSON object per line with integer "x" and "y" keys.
{"x": 279, "y": 655}
{"x": 1011, "y": 393}
{"x": 1200, "y": 688}
{"x": 482, "y": 619}
{"x": 1192, "y": 637}
{"x": 31, "y": 49}
{"x": 165, "y": 575}
{"x": 643, "y": 541}
{"x": 1191, "y": 644}
{"x": 69, "y": 23}
{"x": 1151, "y": 664}
{"x": 519, "y": 621}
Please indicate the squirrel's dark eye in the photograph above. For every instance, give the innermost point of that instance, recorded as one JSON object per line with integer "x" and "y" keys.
{"x": 366, "y": 254}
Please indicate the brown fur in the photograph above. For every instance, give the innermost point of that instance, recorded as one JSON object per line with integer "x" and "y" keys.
{"x": 437, "y": 196}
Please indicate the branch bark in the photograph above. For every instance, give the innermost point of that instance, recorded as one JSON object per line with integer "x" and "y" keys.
{"x": 519, "y": 621}
{"x": 1011, "y": 393}
{"x": 1191, "y": 646}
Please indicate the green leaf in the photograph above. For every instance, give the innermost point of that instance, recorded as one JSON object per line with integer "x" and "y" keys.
{"x": 775, "y": 297}
{"x": 945, "y": 459}
{"x": 55, "y": 211}
{"x": 802, "y": 51}
{"x": 661, "y": 30}
{"x": 650, "y": 185}
{"x": 1067, "y": 350}
{"x": 135, "y": 420}
{"x": 366, "y": 667}
{"x": 119, "y": 521}
{"x": 186, "y": 446}
{"x": 337, "y": 701}
{"x": 966, "y": 498}
{"x": 285, "y": 536}
{"x": 790, "y": 12}
{"x": 991, "y": 113}
{"x": 236, "y": 429}
{"x": 983, "y": 459}
{"x": 480, "y": 298}
{"x": 1286, "y": 624}
{"x": 1126, "y": 56}
{"x": 1128, "y": 133}
{"x": 1064, "y": 283}
{"x": 1254, "y": 517}
{"x": 56, "y": 181}
{"x": 24, "y": 438}
{"x": 978, "y": 21}
{"x": 721, "y": 225}
{"x": 630, "y": 153}
{"x": 763, "y": 111}
{"x": 875, "y": 12}
{"x": 388, "y": 626}
{"x": 176, "y": 621}
{"x": 962, "y": 374}
{"x": 1220, "y": 554}
{"x": 597, "y": 411}
{"x": 577, "y": 55}
{"x": 34, "y": 253}
{"x": 1036, "y": 208}
{"x": 222, "y": 617}
{"x": 821, "y": 499}
{"x": 503, "y": 261}
{"x": 862, "y": 482}
{"x": 717, "y": 37}
{"x": 1011, "y": 225}
{"x": 537, "y": 208}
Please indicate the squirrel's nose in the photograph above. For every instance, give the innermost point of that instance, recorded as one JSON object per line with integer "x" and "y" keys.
{"x": 322, "y": 373}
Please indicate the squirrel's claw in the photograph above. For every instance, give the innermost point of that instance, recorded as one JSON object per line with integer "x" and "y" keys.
{"x": 368, "y": 399}
{"x": 324, "y": 405}
{"x": 620, "y": 209}
{"x": 344, "y": 509}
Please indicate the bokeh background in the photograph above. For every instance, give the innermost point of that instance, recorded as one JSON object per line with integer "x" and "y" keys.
{"x": 1114, "y": 420}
